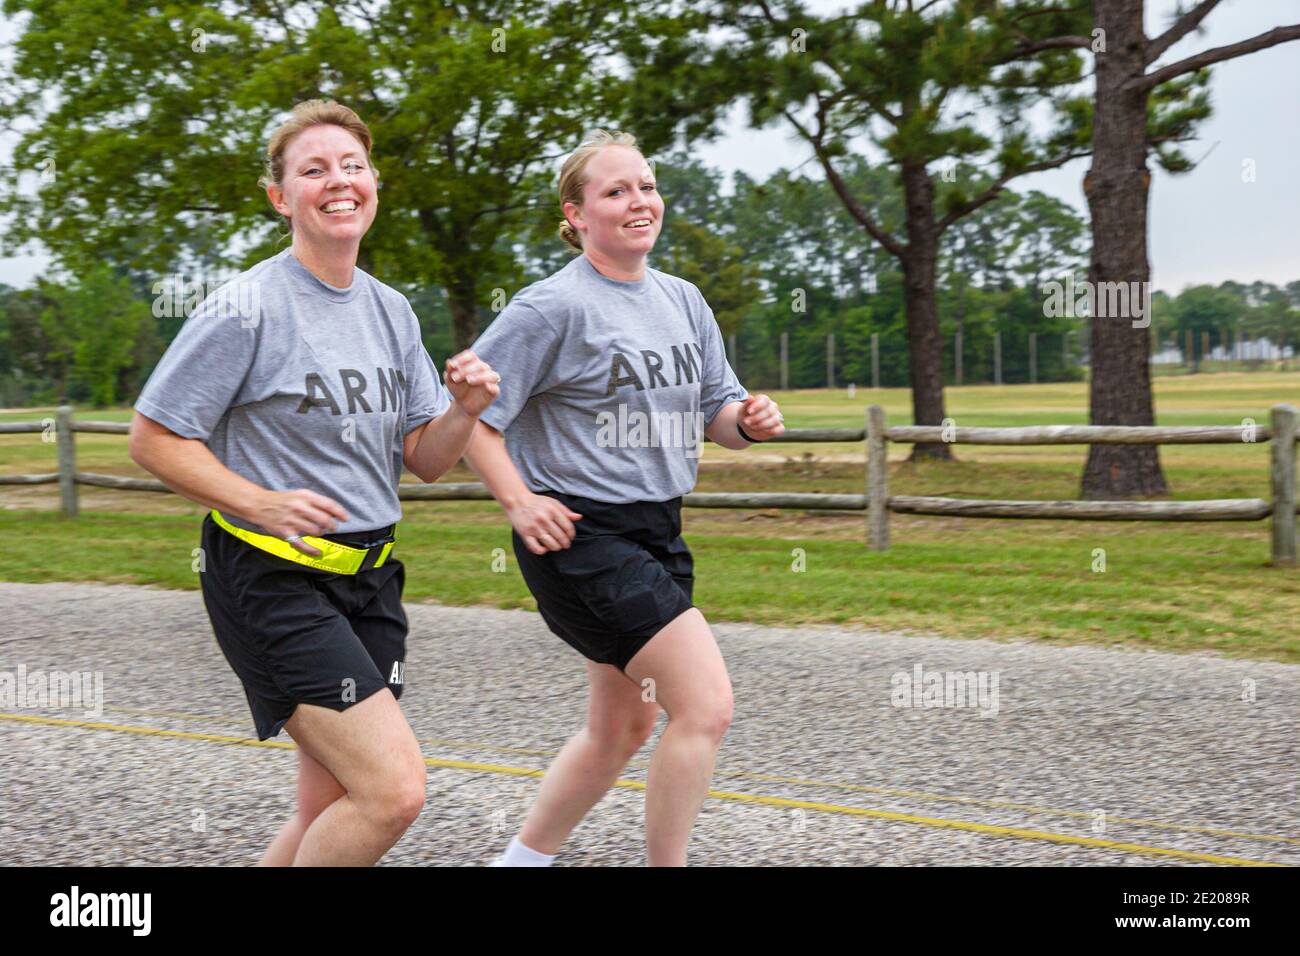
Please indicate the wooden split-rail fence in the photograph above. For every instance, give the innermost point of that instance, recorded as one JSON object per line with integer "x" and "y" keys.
{"x": 877, "y": 502}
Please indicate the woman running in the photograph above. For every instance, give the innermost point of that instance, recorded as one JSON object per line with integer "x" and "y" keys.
{"x": 287, "y": 404}
{"x": 614, "y": 374}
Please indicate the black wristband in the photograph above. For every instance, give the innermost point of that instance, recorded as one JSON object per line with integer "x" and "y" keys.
{"x": 746, "y": 437}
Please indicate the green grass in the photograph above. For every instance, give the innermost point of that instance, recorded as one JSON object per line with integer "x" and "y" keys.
{"x": 1170, "y": 586}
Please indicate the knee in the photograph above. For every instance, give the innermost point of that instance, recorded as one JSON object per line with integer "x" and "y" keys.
{"x": 409, "y": 799}
{"x": 398, "y": 803}
{"x": 637, "y": 733}
{"x": 708, "y": 718}
{"x": 624, "y": 740}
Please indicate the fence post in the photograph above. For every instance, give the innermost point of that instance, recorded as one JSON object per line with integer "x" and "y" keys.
{"x": 956, "y": 356}
{"x": 875, "y": 360}
{"x": 67, "y": 461}
{"x": 830, "y": 360}
{"x": 1033, "y": 357}
{"x": 785, "y": 361}
{"x": 1283, "y": 480}
{"x": 877, "y": 481}
{"x": 997, "y": 358}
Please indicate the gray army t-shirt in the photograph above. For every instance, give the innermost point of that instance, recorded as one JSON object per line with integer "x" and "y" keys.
{"x": 295, "y": 383}
{"x": 607, "y": 385}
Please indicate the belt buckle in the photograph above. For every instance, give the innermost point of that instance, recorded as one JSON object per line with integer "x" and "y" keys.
{"x": 374, "y": 550}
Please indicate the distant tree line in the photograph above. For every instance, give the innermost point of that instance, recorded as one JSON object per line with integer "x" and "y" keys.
{"x": 771, "y": 257}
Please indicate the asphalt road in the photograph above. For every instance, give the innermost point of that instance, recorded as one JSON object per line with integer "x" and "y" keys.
{"x": 1082, "y": 757}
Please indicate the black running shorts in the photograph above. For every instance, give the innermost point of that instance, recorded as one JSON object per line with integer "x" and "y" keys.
{"x": 626, "y": 574}
{"x": 295, "y": 634}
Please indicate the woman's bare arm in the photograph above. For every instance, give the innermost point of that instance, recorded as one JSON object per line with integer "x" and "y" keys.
{"x": 543, "y": 523}
{"x": 758, "y": 415}
{"x": 431, "y": 450}
{"x": 188, "y": 467}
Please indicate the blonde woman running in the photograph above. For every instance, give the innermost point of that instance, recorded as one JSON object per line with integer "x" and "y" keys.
{"x": 613, "y": 370}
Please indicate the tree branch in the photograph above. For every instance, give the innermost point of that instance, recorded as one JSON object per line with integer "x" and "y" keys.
{"x": 419, "y": 140}
{"x": 966, "y": 208}
{"x": 858, "y": 211}
{"x": 1022, "y": 50}
{"x": 844, "y": 83}
{"x": 855, "y": 208}
{"x": 845, "y": 87}
{"x": 1217, "y": 55}
{"x": 1184, "y": 25}
{"x": 495, "y": 210}
{"x": 478, "y": 132}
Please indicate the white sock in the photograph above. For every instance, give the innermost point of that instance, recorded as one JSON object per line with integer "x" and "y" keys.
{"x": 517, "y": 854}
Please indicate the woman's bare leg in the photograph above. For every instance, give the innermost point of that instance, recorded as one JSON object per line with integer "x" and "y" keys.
{"x": 317, "y": 789}
{"x": 371, "y": 751}
{"x": 618, "y": 723}
{"x": 692, "y": 686}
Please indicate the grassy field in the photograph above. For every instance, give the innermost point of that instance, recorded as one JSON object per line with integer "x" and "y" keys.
{"x": 1171, "y": 586}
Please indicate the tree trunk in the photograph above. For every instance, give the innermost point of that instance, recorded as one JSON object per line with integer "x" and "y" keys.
{"x": 464, "y": 312}
{"x": 924, "y": 345}
{"x": 1117, "y": 188}
{"x": 960, "y": 341}
{"x": 464, "y": 321}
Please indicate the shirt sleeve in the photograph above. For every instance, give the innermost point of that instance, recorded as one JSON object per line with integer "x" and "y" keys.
{"x": 521, "y": 346}
{"x": 201, "y": 374}
{"x": 719, "y": 385}
{"x": 427, "y": 397}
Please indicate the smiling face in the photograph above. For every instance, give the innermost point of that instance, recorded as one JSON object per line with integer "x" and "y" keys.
{"x": 328, "y": 188}
{"x": 621, "y": 212}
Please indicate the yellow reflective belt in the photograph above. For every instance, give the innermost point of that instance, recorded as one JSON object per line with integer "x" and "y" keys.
{"x": 335, "y": 557}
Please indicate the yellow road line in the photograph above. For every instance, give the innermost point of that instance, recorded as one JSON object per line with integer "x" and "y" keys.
{"x": 148, "y": 731}
{"x": 1010, "y": 805}
{"x": 985, "y": 828}
{"x": 826, "y": 784}
{"x": 992, "y": 829}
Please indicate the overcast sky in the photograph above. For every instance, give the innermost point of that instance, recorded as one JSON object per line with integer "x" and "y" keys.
{"x": 1206, "y": 226}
